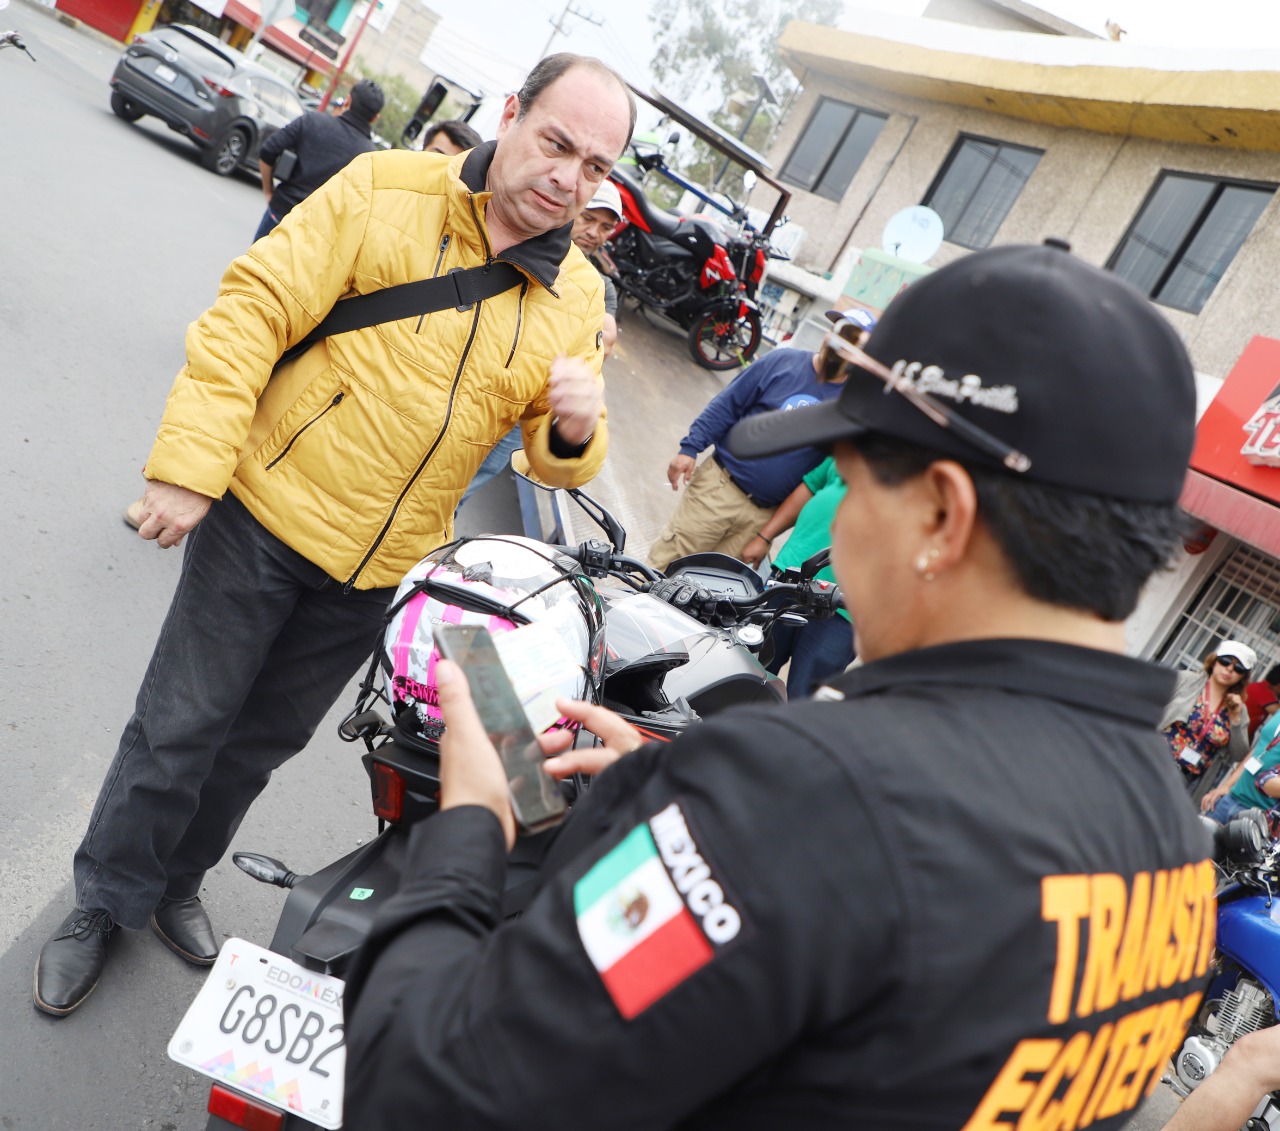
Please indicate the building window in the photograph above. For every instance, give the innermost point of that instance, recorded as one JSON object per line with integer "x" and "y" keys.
{"x": 1186, "y": 235}
{"x": 832, "y": 146}
{"x": 977, "y": 186}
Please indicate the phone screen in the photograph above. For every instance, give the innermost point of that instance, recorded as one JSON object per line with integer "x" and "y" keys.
{"x": 536, "y": 799}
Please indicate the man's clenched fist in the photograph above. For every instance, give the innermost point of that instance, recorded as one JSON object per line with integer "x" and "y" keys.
{"x": 577, "y": 399}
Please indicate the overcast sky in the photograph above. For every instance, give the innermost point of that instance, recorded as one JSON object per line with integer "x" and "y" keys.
{"x": 492, "y": 43}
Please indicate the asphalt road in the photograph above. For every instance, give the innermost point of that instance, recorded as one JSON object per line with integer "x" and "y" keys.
{"x": 112, "y": 239}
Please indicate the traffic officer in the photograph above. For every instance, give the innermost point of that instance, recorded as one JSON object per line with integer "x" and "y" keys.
{"x": 960, "y": 888}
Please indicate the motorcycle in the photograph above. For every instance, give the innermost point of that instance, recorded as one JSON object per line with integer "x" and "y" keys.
{"x": 697, "y": 270}
{"x": 267, "y": 1025}
{"x": 1245, "y": 973}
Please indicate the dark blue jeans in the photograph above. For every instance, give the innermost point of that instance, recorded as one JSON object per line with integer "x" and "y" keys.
{"x": 269, "y": 221}
{"x": 817, "y": 651}
{"x": 258, "y": 644}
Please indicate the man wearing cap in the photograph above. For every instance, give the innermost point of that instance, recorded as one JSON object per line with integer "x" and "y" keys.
{"x": 961, "y": 887}
{"x": 593, "y": 225}
{"x": 727, "y": 499}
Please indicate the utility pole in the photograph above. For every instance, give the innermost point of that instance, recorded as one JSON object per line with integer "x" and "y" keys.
{"x": 558, "y": 28}
{"x": 333, "y": 83}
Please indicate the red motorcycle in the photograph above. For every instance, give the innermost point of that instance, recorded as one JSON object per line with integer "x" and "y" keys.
{"x": 700, "y": 271}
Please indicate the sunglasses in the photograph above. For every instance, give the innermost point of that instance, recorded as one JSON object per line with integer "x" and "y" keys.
{"x": 1234, "y": 665}
{"x": 934, "y": 409}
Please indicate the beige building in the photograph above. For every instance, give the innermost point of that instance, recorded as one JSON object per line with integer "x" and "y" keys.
{"x": 1013, "y": 125}
{"x": 394, "y": 39}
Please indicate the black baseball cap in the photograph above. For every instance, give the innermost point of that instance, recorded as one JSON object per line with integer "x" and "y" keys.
{"x": 1024, "y": 358}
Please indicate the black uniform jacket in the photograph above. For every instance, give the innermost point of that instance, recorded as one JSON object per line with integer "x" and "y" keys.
{"x": 970, "y": 892}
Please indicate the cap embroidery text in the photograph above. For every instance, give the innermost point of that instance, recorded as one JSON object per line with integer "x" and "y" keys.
{"x": 931, "y": 379}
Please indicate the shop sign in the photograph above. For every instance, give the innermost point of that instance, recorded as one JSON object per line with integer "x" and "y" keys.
{"x": 1238, "y": 438}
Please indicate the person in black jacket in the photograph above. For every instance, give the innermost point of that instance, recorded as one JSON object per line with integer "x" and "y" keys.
{"x": 961, "y": 887}
{"x": 323, "y": 144}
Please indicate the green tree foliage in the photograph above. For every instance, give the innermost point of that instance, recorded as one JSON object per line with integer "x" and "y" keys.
{"x": 710, "y": 50}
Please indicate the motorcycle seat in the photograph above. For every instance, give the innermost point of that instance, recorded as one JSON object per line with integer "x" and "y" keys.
{"x": 660, "y": 222}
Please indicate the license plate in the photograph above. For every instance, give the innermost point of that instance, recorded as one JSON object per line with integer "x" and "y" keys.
{"x": 166, "y": 73}
{"x": 265, "y": 1026}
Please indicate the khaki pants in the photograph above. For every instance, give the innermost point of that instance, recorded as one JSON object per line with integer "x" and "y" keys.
{"x": 712, "y": 514}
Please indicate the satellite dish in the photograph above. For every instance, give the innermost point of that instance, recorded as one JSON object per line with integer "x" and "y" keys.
{"x": 914, "y": 234}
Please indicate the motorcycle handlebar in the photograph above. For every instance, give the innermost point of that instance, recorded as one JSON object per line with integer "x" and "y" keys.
{"x": 599, "y": 559}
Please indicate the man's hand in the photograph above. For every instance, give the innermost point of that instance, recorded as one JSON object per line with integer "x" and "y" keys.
{"x": 170, "y": 513}
{"x": 577, "y": 399}
{"x": 619, "y": 737}
{"x": 680, "y": 471}
{"x": 754, "y": 551}
{"x": 1210, "y": 799}
{"x": 471, "y": 772}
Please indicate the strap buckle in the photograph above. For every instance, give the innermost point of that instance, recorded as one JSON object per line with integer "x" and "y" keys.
{"x": 464, "y": 302}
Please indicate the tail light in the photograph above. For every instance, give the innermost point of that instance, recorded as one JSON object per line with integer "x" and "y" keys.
{"x": 240, "y": 1111}
{"x": 388, "y": 792}
{"x": 217, "y": 88}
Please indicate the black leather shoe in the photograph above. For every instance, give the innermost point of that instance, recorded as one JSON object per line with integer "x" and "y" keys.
{"x": 71, "y": 962}
{"x": 183, "y": 926}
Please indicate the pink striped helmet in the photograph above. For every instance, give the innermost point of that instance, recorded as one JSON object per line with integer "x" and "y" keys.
{"x": 500, "y": 582}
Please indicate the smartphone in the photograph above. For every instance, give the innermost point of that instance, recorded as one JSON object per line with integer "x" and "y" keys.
{"x": 536, "y": 800}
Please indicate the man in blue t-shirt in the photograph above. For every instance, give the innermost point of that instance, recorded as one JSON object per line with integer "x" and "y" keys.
{"x": 727, "y": 500}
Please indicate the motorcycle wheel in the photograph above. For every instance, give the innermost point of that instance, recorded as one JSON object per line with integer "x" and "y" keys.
{"x": 719, "y": 339}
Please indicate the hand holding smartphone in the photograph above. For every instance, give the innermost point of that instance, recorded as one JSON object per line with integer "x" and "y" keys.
{"x": 536, "y": 800}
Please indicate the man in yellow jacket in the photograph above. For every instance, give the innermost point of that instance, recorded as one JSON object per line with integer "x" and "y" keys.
{"x": 310, "y": 488}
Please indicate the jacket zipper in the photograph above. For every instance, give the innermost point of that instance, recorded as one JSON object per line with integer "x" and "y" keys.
{"x": 444, "y": 427}
{"x": 524, "y": 288}
{"x": 448, "y": 412}
{"x": 435, "y": 271}
{"x": 337, "y": 400}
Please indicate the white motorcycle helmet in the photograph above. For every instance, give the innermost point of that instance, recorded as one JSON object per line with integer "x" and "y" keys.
{"x": 500, "y": 582}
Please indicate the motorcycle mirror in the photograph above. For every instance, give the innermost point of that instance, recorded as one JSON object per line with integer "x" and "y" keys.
{"x": 810, "y": 566}
{"x": 748, "y": 181}
{"x": 673, "y": 138}
{"x": 601, "y": 517}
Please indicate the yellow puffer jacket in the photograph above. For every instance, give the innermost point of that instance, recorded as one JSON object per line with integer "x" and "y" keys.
{"x": 356, "y": 453}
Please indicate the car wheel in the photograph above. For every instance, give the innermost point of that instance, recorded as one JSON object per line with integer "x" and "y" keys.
{"x": 225, "y": 155}
{"x": 123, "y": 108}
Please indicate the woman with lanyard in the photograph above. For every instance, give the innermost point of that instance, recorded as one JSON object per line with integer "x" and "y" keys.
{"x": 1207, "y": 715}
{"x": 1253, "y": 783}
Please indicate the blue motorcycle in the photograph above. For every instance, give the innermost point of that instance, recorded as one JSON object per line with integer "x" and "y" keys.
{"x": 1245, "y": 975}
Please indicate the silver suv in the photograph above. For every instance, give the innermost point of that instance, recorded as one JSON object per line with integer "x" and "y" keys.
{"x": 197, "y": 85}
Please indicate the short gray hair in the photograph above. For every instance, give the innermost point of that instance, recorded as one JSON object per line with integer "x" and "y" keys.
{"x": 557, "y": 66}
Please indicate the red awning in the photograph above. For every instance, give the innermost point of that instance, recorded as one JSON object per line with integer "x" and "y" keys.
{"x": 282, "y": 36}
{"x": 1235, "y": 512}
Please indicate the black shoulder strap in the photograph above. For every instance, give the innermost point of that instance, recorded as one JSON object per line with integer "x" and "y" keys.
{"x": 459, "y": 288}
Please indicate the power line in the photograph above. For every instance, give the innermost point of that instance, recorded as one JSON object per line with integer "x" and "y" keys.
{"x": 558, "y": 28}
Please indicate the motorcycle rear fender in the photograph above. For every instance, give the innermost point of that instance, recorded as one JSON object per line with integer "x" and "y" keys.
{"x": 328, "y": 914}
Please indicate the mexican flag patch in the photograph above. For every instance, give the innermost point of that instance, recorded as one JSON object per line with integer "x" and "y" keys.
{"x": 650, "y": 913}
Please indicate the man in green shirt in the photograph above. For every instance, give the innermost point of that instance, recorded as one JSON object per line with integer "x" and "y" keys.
{"x": 821, "y": 648}
{"x": 1250, "y": 785}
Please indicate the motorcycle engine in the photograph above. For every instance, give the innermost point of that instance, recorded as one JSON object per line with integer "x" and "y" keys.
{"x": 1245, "y": 1008}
